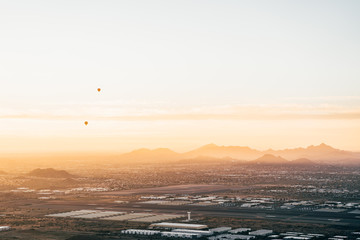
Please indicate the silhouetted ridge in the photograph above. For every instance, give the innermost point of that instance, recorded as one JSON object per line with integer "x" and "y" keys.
{"x": 270, "y": 159}
{"x": 321, "y": 153}
{"x": 212, "y": 150}
{"x": 322, "y": 147}
{"x": 50, "y": 173}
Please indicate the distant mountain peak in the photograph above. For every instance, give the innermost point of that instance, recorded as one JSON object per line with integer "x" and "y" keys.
{"x": 50, "y": 173}
{"x": 317, "y": 153}
{"x": 163, "y": 150}
{"x": 144, "y": 154}
{"x": 269, "y": 158}
{"x": 321, "y": 146}
{"x": 209, "y": 146}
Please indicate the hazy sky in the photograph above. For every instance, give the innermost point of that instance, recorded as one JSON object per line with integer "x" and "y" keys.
{"x": 178, "y": 74}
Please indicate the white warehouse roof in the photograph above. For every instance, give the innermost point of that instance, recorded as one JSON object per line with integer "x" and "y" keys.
{"x": 180, "y": 234}
{"x": 261, "y": 232}
{"x": 220, "y": 229}
{"x": 202, "y": 232}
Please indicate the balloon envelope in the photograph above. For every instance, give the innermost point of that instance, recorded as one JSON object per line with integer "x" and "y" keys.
{"x": 99, "y": 89}
{"x": 86, "y": 123}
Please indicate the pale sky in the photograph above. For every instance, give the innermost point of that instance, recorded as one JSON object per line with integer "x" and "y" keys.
{"x": 178, "y": 74}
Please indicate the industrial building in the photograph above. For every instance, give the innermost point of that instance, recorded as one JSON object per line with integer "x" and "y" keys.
{"x": 261, "y": 232}
{"x": 181, "y": 234}
{"x": 140, "y": 232}
{"x": 240, "y": 230}
{"x": 4, "y": 228}
{"x": 296, "y": 238}
{"x": 202, "y": 232}
{"x": 231, "y": 237}
{"x": 219, "y": 234}
{"x": 220, "y": 229}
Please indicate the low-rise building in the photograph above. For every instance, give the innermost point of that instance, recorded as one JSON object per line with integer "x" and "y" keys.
{"x": 5, "y": 228}
{"x": 261, "y": 232}
{"x": 180, "y": 234}
{"x": 140, "y": 232}
{"x": 231, "y": 237}
{"x": 202, "y": 232}
{"x": 240, "y": 230}
{"x": 220, "y": 229}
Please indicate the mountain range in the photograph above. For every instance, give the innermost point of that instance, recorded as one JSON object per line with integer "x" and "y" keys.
{"x": 50, "y": 173}
{"x": 322, "y": 153}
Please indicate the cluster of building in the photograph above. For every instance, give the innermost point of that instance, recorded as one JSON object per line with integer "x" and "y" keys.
{"x": 199, "y": 200}
{"x": 87, "y": 189}
{"x": 178, "y": 230}
{"x": 248, "y": 202}
{"x": 191, "y": 231}
{"x": 327, "y": 206}
{"x": 184, "y": 230}
{"x": 330, "y": 189}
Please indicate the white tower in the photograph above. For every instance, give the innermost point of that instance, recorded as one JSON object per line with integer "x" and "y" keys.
{"x": 189, "y": 216}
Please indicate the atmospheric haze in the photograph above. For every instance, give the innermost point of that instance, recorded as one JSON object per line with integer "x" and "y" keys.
{"x": 178, "y": 74}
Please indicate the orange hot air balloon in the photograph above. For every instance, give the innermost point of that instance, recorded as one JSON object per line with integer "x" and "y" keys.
{"x": 99, "y": 89}
{"x": 86, "y": 123}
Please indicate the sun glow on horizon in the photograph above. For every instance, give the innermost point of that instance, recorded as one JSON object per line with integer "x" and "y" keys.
{"x": 178, "y": 74}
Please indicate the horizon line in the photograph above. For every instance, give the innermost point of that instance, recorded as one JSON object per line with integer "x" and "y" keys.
{"x": 44, "y": 153}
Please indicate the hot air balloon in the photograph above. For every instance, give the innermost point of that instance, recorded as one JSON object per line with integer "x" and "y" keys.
{"x": 86, "y": 123}
{"x": 99, "y": 89}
